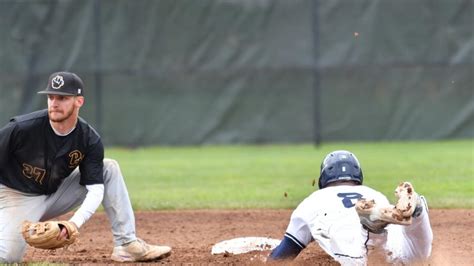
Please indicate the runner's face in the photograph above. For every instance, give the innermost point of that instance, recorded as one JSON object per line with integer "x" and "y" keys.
{"x": 62, "y": 108}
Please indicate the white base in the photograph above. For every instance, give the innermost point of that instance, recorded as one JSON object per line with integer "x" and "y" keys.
{"x": 245, "y": 244}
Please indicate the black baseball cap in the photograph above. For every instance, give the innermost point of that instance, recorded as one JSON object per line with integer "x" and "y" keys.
{"x": 64, "y": 83}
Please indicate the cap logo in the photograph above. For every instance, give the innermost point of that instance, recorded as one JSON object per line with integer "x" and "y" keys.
{"x": 57, "y": 82}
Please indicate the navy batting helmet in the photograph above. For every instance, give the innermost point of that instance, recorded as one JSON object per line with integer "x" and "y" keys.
{"x": 340, "y": 166}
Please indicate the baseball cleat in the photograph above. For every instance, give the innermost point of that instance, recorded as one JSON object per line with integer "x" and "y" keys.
{"x": 420, "y": 206}
{"x": 138, "y": 250}
{"x": 375, "y": 218}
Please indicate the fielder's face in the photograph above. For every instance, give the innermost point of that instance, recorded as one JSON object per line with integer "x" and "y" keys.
{"x": 62, "y": 108}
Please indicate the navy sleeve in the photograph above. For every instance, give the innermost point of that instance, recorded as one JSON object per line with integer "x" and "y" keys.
{"x": 5, "y": 139}
{"x": 289, "y": 248}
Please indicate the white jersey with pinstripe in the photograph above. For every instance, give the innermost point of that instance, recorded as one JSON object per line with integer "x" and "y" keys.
{"x": 329, "y": 217}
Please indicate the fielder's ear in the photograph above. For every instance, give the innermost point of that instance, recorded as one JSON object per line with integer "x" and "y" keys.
{"x": 79, "y": 101}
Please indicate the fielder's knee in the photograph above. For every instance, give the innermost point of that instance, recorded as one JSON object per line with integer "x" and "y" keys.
{"x": 11, "y": 251}
{"x": 110, "y": 164}
{"x": 111, "y": 169}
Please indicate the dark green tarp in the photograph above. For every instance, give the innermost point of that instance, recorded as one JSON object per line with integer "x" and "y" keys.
{"x": 186, "y": 72}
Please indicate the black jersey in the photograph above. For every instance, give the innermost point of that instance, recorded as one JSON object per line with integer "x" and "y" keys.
{"x": 33, "y": 159}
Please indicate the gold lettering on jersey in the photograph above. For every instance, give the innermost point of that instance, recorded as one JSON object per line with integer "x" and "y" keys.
{"x": 35, "y": 173}
{"x": 76, "y": 158}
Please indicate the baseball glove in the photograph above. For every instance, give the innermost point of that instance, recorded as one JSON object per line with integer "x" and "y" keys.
{"x": 45, "y": 234}
{"x": 375, "y": 218}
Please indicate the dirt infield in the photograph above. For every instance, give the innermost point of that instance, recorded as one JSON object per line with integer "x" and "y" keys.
{"x": 192, "y": 234}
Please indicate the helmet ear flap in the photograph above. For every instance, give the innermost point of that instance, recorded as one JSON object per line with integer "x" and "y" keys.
{"x": 327, "y": 175}
{"x": 320, "y": 185}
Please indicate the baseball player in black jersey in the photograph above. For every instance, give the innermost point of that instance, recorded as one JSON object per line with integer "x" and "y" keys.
{"x": 52, "y": 161}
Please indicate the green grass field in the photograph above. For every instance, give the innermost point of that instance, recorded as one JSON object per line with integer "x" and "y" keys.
{"x": 226, "y": 177}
